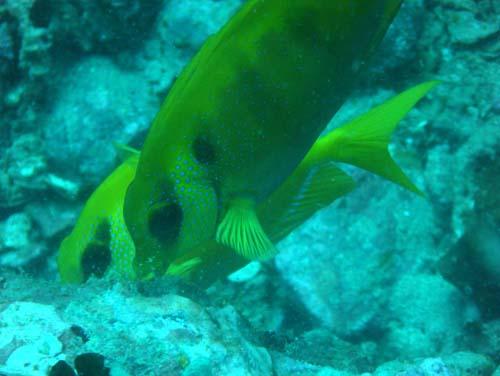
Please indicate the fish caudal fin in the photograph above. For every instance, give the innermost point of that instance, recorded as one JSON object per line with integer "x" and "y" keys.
{"x": 241, "y": 230}
{"x": 363, "y": 142}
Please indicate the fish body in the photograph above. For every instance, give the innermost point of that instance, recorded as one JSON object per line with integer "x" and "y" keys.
{"x": 239, "y": 120}
{"x": 315, "y": 183}
{"x": 99, "y": 229}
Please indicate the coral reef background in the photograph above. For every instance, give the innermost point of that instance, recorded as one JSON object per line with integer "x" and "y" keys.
{"x": 382, "y": 282}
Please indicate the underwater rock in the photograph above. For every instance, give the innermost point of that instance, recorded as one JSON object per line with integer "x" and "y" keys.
{"x": 108, "y": 26}
{"x": 90, "y": 115}
{"x": 16, "y": 231}
{"x": 32, "y": 40}
{"x": 197, "y": 367}
{"x": 29, "y": 340}
{"x": 465, "y": 28}
{"x": 424, "y": 323}
{"x": 461, "y": 363}
{"x": 427, "y": 367}
{"x": 286, "y": 366}
{"x": 52, "y": 217}
{"x": 142, "y": 334}
{"x": 468, "y": 5}
{"x": 399, "y": 46}
{"x": 322, "y": 347}
{"x": 491, "y": 345}
{"x": 18, "y": 244}
{"x": 473, "y": 265}
{"x": 169, "y": 335}
{"x": 467, "y": 363}
{"x": 64, "y": 187}
{"x": 261, "y": 300}
{"x": 24, "y": 171}
{"x": 343, "y": 261}
{"x": 181, "y": 28}
{"x": 6, "y": 43}
{"x": 191, "y": 21}
{"x": 476, "y": 194}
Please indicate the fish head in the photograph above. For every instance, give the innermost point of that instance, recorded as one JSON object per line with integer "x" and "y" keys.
{"x": 169, "y": 208}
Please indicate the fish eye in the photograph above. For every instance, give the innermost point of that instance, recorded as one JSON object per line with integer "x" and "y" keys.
{"x": 203, "y": 150}
{"x": 165, "y": 222}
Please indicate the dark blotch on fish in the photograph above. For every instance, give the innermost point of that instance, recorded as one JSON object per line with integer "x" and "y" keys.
{"x": 203, "y": 150}
{"x": 165, "y": 222}
{"x": 97, "y": 255}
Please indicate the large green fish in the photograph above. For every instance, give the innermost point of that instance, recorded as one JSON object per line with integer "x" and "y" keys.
{"x": 240, "y": 118}
{"x": 100, "y": 242}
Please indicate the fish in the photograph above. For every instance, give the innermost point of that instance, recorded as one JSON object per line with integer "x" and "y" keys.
{"x": 240, "y": 118}
{"x": 100, "y": 234}
{"x": 316, "y": 183}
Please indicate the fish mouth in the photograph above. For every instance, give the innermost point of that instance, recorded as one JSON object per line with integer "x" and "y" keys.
{"x": 149, "y": 268}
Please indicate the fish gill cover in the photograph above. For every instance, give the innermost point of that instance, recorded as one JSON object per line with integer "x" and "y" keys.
{"x": 381, "y": 281}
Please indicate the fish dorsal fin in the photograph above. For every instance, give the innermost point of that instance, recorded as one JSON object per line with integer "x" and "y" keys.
{"x": 241, "y": 230}
{"x": 298, "y": 199}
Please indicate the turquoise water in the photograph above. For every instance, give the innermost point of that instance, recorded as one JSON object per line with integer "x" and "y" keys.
{"x": 382, "y": 281}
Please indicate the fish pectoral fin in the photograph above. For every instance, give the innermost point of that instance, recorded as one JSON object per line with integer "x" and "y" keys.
{"x": 241, "y": 230}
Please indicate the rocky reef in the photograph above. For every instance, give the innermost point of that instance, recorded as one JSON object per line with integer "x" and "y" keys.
{"x": 383, "y": 282}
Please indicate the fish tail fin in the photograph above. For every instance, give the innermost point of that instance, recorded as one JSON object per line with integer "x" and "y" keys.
{"x": 363, "y": 142}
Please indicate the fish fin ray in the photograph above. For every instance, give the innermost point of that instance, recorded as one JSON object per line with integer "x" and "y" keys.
{"x": 363, "y": 142}
{"x": 320, "y": 186}
{"x": 241, "y": 230}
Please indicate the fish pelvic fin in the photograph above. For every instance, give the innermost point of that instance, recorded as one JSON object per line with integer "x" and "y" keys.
{"x": 241, "y": 230}
{"x": 363, "y": 142}
{"x": 184, "y": 268}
